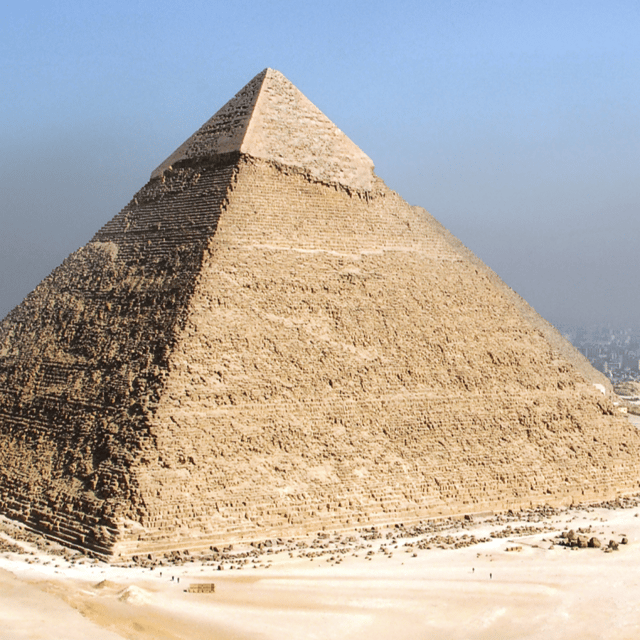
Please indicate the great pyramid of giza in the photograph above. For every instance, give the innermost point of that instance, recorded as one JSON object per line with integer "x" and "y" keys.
{"x": 267, "y": 340}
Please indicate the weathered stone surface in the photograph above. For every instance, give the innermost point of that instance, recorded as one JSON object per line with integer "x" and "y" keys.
{"x": 251, "y": 349}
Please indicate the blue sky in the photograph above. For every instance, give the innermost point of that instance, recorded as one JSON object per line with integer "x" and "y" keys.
{"x": 515, "y": 123}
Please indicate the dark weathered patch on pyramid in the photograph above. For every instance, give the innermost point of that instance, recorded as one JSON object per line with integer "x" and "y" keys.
{"x": 268, "y": 340}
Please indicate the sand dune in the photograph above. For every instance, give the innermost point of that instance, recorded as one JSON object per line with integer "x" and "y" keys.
{"x": 515, "y": 584}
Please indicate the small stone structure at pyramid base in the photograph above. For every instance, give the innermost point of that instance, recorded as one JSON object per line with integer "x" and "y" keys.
{"x": 254, "y": 349}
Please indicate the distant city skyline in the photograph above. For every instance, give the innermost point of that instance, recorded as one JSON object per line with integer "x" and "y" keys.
{"x": 614, "y": 352}
{"x": 514, "y": 124}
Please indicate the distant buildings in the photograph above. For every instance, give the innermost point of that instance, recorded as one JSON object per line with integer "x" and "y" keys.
{"x": 614, "y": 352}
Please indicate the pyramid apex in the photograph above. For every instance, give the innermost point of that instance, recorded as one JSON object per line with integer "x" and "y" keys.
{"x": 269, "y": 71}
{"x": 270, "y": 119}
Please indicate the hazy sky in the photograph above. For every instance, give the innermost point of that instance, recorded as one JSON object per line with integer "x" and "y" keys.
{"x": 515, "y": 123}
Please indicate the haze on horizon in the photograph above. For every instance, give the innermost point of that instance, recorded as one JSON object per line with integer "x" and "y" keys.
{"x": 515, "y": 124}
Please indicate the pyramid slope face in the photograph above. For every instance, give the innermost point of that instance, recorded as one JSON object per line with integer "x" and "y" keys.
{"x": 271, "y": 119}
{"x": 249, "y": 350}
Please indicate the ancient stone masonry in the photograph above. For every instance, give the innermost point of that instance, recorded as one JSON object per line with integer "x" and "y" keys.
{"x": 267, "y": 340}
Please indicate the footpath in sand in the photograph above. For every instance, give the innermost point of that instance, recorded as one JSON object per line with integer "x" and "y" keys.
{"x": 509, "y": 576}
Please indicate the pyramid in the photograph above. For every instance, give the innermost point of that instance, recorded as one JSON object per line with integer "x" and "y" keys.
{"x": 268, "y": 341}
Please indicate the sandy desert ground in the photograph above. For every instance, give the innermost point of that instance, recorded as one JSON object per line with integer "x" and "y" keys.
{"x": 506, "y": 576}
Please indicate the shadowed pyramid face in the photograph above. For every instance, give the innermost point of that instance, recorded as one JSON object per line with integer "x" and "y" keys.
{"x": 266, "y": 341}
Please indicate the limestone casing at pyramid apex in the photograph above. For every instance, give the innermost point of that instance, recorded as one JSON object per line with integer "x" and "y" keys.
{"x": 270, "y": 119}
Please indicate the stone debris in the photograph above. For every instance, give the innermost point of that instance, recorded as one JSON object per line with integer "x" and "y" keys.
{"x": 268, "y": 338}
{"x": 368, "y": 544}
